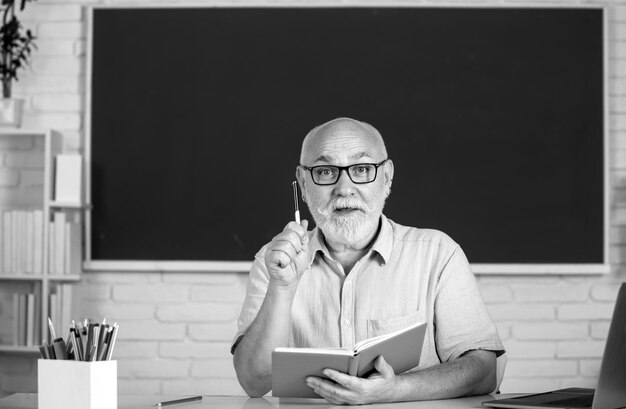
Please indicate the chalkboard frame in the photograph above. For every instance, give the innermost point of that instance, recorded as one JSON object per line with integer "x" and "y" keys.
{"x": 92, "y": 264}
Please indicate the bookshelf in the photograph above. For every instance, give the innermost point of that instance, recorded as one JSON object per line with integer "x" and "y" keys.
{"x": 27, "y": 170}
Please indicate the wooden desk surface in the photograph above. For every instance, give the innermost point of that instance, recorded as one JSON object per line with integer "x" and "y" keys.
{"x": 29, "y": 401}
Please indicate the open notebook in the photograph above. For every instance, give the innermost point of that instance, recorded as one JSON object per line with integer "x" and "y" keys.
{"x": 290, "y": 366}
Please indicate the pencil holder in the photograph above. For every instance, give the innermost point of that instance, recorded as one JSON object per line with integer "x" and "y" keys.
{"x": 77, "y": 384}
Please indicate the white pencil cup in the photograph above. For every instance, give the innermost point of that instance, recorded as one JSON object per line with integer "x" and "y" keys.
{"x": 77, "y": 384}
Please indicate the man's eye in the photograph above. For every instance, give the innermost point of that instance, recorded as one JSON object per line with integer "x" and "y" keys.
{"x": 360, "y": 170}
{"x": 325, "y": 171}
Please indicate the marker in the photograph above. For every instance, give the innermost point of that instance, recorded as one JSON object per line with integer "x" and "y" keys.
{"x": 177, "y": 401}
{"x": 295, "y": 200}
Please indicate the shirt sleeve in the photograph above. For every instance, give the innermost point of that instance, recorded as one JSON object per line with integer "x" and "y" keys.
{"x": 462, "y": 322}
{"x": 258, "y": 281}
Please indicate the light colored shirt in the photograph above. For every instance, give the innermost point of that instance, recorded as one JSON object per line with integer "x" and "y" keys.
{"x": 408, "y": 275}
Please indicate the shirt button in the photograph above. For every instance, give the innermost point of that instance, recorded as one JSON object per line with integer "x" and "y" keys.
{"x": 346, "y": 323}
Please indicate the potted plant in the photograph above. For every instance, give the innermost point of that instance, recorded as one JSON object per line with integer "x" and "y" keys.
{"x": 15, "y": 48}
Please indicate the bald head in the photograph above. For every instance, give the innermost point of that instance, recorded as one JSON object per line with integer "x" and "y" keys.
{"x": 341, "y": 134}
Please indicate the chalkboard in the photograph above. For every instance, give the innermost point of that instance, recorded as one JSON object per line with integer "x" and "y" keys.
{"x": 494, "y": 118}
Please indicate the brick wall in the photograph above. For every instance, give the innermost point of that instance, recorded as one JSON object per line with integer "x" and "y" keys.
{"x": 177, "y": 327}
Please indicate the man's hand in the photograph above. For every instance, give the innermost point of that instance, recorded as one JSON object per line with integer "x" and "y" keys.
{"x": 287, "y": 256}
{"x": 351, "y": 390}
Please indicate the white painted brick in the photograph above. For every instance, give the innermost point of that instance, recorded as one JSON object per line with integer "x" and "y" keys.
{"x": 21, "y": 198}
{"x": 617, "y": 31}
{"x": 580, "y": 349}
{"x": 61, "y": 122}
{"x": 151, "y": 293}
{"x": 138, "y": 386}
{"x": 534, "y": 368}
{"x": 70, "y": 65}
{"x": 25, "y": 160}
{"x": 217, "y": 331}
{"x": 227, "y": 293}
{"x": 528, "y": 385}
{"x": 551, "y": 293}
{"x": 617, "y": 140}
{"x": 34, "y": 84}
{"x": 590, "y": 367}
{"x": 617, "y": 13}
{"x": 194, "y": 350}
{"x": 71, "y": 30}
{"x": 9, "y": 178}
{"x": 152, "y": 368}
{"x": 617, "y": 255}
{"x": 618, "y": 85}
{"x": 504, "y": 330}
{"x": 549, "y": 331}
{"x": 605, "y": 291}
{"x": 521, "y": 312}
{"x": 213, "y": 368}
{"x": 585, "y": 311}
{"x": 617, "y": 68}
{"x": 600, "y": 330}
{"x": 617, "y": 122}
{"x": 579, "y": 381}
{"x": 55, "y": 48}
{"x": 96, "y": 292}
{"x": 150, "y": 330}
{"x": 80, "y": 48}
{"x": 52, "y": 12}
{"x": 218, "y": 386}
{"x": 618, "y": 161}
{"x": 530, "y": 349}
{"x": 123, "y": 277}
{"x": 116, "y": 311}
{"x": 198, "y": 312}
{"x": 495, "y": 293}
{"x": 202, "y": 278}
{"x": 73, "y": 142}
{"x": 57, "y": 102}
{"x": 126, "y": 349}
{"x": 618, "y": 104}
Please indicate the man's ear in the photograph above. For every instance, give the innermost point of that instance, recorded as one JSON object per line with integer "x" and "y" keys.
{"x": 388, "y": 173}
{"x": 301, "y": 178}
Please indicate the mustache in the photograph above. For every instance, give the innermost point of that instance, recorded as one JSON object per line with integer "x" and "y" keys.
{"x": 345, "y": 203}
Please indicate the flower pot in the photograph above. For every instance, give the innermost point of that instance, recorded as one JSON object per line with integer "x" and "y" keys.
{"x": 11, "y": 112}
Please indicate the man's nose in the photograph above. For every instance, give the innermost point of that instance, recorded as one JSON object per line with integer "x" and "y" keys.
{"x": 344, "y": 185}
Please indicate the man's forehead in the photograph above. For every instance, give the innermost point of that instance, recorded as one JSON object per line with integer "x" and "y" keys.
{"x": 341, "y": 139}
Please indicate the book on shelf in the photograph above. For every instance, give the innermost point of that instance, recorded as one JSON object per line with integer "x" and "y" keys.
{"x": 67, "y": 178}
{"x": 22, "y": 242}
{"x": 26, "y": 319}
{"x": 60, "y": 307}
{"x": 291, "y": 366}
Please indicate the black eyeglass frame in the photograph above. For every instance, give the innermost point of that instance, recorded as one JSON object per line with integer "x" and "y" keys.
{"x": 346, "y": 168}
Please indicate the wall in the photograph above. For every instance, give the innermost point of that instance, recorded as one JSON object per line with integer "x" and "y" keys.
{"x": 176, "y": 328}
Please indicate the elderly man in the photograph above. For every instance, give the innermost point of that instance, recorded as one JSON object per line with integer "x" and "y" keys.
{"x": 358, "y": 275}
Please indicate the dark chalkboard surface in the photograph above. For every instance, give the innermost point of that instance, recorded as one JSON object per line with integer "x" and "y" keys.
{"x": 494, "y": 118}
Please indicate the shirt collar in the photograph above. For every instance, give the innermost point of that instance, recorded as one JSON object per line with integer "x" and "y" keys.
{"x": 382, "y": 244}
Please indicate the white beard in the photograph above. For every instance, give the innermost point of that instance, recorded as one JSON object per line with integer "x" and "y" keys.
{"x": 350, "y": 228}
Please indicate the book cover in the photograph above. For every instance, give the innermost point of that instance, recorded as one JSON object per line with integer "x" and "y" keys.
{"x": 68, "y": 178}
{"x": 290, "y": 366}
{"x": 38, "y": 242}
{"x": 30, "y": 320}
{"x": 59, "y": 220}
{"x": 29, "y": 240}
{"x": 73, "y": 248}
{"x": 7, "y": 237}
{"x": 21, "y": 319}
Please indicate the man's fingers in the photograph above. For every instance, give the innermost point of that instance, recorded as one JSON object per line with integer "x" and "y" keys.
{"x": 341, "y": 378}
{"x": 383, "y": 367}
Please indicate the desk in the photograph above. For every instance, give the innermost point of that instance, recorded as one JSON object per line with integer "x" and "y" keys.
{"x": 29, "y": 401}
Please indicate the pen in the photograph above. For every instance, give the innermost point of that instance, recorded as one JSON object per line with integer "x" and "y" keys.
{"x": 53, "y": 334}
{"x": 177, "y": 401}
{"x": 295, "y": 200}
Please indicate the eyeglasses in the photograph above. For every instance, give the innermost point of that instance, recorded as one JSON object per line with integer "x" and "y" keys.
{"x": 359, "y": 173}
